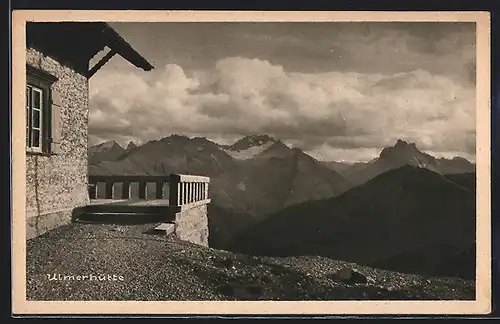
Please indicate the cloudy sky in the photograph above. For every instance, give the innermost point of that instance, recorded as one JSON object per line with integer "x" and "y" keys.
{"x": 339, "y": 91}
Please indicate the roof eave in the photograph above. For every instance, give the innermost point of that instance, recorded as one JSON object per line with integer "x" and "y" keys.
{"x": 115, "y": 42}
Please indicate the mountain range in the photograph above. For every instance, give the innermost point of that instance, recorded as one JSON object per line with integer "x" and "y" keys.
{"x": 408, "y": 219}
{"x": 402, "y": 153}
{"x": 262, "y": 190}
{"x": 252, "y": 178}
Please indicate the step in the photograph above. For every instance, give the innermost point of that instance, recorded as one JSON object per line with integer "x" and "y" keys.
{"x": 122, "y": 217}
{"x": 165, "y": 228}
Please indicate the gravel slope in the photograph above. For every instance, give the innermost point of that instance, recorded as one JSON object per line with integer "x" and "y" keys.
{"x": 153, "y": 267}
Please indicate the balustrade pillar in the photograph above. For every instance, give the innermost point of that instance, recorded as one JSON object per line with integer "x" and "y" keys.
{"x": 93, "y": 190}
{"x": 174, "y": 190}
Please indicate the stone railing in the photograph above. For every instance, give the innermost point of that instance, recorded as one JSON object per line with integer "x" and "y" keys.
{"x": 181, "y": 189}
{"x": 186, "y": 189}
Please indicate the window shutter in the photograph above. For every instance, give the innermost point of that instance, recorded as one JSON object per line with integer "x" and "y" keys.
{"x": 55, "y": 129}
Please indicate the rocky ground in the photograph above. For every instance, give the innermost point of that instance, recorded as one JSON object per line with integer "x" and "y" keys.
{"x": 110, "y": 262}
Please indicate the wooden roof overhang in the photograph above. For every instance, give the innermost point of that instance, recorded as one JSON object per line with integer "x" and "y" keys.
{"x": 75, "y": 43}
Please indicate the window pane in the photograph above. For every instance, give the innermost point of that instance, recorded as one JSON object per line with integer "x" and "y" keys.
{"x": 28, "y": 96}
{"x": 36, "y": 99}
{"x": 28, "y": 116}
{"x": 36, "y": 119}
{"x": 35, "y": 138}
{"x": 27, "y": 129}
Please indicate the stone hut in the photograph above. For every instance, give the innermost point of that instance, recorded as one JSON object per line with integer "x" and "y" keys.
{"x": 58, "y": 56}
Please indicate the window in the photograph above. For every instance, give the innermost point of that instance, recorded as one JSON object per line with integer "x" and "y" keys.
{"x": 35, "y": 111}
{"x": 42, "y": 113}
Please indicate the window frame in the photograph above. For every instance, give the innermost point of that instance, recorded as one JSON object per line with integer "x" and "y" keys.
{"x": 42, "y": 122}
{"x": 41, "y": 82}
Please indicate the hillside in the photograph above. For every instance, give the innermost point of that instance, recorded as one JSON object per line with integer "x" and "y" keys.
{"x": 403, "y": 212}
{"x": 243, "y": 189}
{"x": 466, "y": 180}
{"x": 159, "y": 268}
{"x": 344, "y": 168}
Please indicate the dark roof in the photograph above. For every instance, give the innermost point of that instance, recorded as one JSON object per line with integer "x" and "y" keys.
{"x": 76, "y": 43}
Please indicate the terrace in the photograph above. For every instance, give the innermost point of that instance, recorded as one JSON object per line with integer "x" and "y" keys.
{"x": 177, "y": 202}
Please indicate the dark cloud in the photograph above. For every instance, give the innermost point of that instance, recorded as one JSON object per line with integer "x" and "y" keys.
{"x": 367, "y": 47}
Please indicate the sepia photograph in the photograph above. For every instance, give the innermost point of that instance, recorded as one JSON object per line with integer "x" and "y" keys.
{"x": 246, "y": 160}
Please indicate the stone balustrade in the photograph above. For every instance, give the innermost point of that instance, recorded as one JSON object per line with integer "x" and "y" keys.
{"x": 182, "y": 189}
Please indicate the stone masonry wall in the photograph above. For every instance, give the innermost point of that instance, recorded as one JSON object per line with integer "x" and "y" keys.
{"x": 192, "y": 225}
{"x": 55, "y": 184}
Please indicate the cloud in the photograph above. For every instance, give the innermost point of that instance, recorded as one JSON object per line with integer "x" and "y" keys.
{"x": 442, "y": 48}
{"x": 333, "y": 114}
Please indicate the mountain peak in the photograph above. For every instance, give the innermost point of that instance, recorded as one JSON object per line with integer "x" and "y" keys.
{"x": 178, "y": 136}
{"x": 402, "y": 143}
{"x": 107, "y": 145}
{"x": 460, "y": 159}
{"x": 252, "y": 141}
{"x": 260, "y": 138}
{"x": 201, "y": 139}
{"x": 110, "y": 143}
{"x": 106, "y": 151}
{"x": 131, "y": 145}
{"x": 406, "y": 153}
{"x": 401, "y": 147}
{"x": 175, "y": 138}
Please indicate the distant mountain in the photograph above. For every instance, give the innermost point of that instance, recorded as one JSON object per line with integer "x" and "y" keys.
{"x": 402, "y": 153}
{"x": 308, "y": 179}
{"x": 173, "y": 154}
{"x": 107, "y": 151}
{"x": 248, "y": 147}
{"x": 275, "y": 176}
{"x": 277, "y": 149}
{"x": 344, "y": 168}
{"x": 455, "y": 165}
{"x": 131, "y": 145}
{"x": 407, "y": 219}
{"x": 251, "y": 141}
